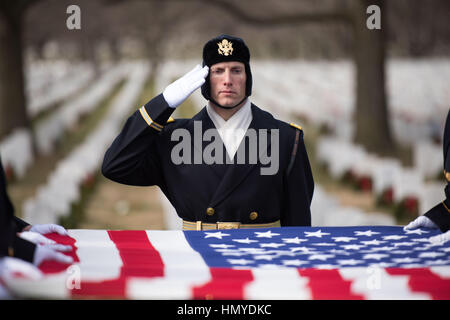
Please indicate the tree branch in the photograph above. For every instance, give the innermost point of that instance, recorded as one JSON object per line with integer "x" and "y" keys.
{"x": 289, "y": 19}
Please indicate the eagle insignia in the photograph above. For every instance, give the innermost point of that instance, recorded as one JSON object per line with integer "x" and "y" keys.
{"x": 225, "y": 48}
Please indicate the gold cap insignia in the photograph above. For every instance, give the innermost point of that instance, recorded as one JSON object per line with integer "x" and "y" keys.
{"x": 225, "y": 47}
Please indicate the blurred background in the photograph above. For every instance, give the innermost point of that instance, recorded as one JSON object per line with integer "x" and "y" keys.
{"x": 372, "y": 102}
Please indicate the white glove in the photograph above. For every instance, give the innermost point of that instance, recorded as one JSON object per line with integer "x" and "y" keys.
{"x": 181, "y": 89}
{"x": 421, "y": 222}
{"x": 441, "y": 238}
{"x": 10, "y": 266}
{"x": 43, "y": 253}
{"x": 37, "y": 238}
{"x": 49, "y": 228}
{"x": 425, "y": 222}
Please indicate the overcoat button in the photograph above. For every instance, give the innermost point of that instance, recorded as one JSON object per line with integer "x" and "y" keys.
{"x": 210, "y": 211}
{"x": 253, "y": 215}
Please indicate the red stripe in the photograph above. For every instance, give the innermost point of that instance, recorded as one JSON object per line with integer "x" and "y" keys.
{"x": 423, "y": 280}
{"x": 139, "y": 258}
{"x": 225, "y": 283}
{"x": 328, "y": 285}
{"x": 51, "y": 267}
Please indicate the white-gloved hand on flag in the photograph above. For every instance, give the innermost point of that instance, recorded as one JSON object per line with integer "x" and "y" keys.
{"x": 38, "y": 238}
{"x": 425, "y": 222}
{"x": 48, "y": 228}
{"x": 178, "y": 91}
{"x": 43, "y": 253}
{"x": 421, "y": 222}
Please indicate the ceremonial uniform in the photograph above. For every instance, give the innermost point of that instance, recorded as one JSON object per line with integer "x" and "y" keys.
{"x": 440, "y": 214}
{"x": 141, "y": 155}
{"x": 237, "y": 186}
{"x": 10, "y": 243}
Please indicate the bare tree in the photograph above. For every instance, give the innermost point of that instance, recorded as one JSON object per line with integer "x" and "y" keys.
{"x": 12, "y": 93}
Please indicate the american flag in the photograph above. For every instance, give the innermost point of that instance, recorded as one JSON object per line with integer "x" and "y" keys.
{"x": 364, "y": 262}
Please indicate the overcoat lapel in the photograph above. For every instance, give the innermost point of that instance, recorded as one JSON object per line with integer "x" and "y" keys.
{"x": 206, "y": 124}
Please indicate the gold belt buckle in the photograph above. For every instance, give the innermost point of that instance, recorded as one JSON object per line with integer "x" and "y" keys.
{"x": 228, "y": 225}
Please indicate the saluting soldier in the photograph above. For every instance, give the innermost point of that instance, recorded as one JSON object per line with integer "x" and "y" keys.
{"x": 233, "y": 165}
{"x": 439, "y": 215}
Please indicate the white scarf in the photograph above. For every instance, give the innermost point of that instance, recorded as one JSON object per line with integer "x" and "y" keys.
{"x": 232, "y": 131}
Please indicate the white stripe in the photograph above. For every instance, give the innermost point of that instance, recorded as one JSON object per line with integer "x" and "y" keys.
{"x": 184, "y": 268}
{"x": 99, "y": 258}
{"x": 377, "y": 284}
{"x": 441, "y": 271}
{"x": 277, "y": 284}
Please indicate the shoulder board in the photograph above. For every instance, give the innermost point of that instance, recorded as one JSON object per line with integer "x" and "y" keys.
{"x": 296, "y": 126}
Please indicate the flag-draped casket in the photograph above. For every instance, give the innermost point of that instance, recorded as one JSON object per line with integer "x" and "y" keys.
{"x": 364, "y": 262}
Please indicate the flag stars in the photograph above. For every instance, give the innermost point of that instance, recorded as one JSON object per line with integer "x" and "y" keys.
{"x": 375, "y": 256}
{"x": 295, "y": 263}
{"x": 373, "y": 242}
{"x": 405, "y": 260}
{"x": 304, "y": 250}
{"x": 416, "y": 231}
{"x": 221, "y": 246}
{"x": 295, "y": 240}
{"x": 325, "y": 248}
{"x": 367, "y": 233}
{"x": 353, "y": 247}
{"x": 431, "y": 254}
{"x": 267, "y": 234}
{"x": 350, "y": 262}
{"x": 317, "y": 234}
{"x": 344, "y": 239}
{"x": 271, "y": 245}
{"x": 264, "y": 257}
{"x": 240, "y": 261}
{"x": 321, "y": 257}
{"x": 407, "y": 244}
{"x": 246, "y": 240}
{"x": 394, "y": 237}
{"x": 217, "y": 235}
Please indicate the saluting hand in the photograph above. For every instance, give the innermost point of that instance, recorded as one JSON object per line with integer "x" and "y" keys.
{"x": 181, "y": 89}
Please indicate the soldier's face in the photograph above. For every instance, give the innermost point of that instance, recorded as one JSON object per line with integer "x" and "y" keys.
{"x": 227, "y": 82}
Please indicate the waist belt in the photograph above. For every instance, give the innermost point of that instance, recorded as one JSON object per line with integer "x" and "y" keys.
{"x": 199, "y": 225}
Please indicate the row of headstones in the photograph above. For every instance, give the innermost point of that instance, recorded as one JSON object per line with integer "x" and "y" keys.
{"x": 16, "y": 148}
{"x": 51, "y": 83}
{"x": 382, "y": 176}
{"x": 323, "y": 93}
{"x": 63, "y": 189}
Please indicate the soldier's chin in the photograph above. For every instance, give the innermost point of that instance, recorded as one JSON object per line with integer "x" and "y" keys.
{"x": 228, "y": 102}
